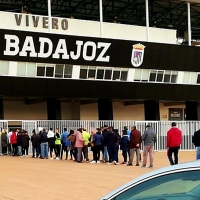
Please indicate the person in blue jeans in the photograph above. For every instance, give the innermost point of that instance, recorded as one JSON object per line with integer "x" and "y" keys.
{"x": 104, "y": 148}
{"x": 124, "y": 145}
{"x": 116, "y": 131}
{"x": 128, "y": 133}
{"x": 110, "y": 140}
{"x": 19, "y": 143}
{"x": 35, "y": 139}
{"x": 196, "y": 142}
{"x": 64, "y": 143}
{"x": 44, "y": 144}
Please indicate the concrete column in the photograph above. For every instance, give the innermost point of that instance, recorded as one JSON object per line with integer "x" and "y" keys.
{"x": 191, "y": 109}
{"x": 151, "y": 110}
{"x": 180, "y": 77}
{"x": 53, "y": 109}
{"x": 198, "y": 111}
{"x": 1, "y": 109}
{"x": 76, "y": 71}
{"x": 12, "y": 68}
{"x": 105, "y": 109}
{"x": 130, "y": 76}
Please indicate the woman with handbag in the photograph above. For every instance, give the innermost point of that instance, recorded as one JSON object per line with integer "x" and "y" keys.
{"x": 72, "y": 139}
{"x": 91, "y": 143}
{"x": 79, "y": 144}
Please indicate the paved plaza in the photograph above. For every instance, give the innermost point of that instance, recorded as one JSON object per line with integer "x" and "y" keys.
{"x": 31, "y": 178}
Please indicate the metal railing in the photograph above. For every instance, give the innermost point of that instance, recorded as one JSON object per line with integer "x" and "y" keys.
{"x": 161, "y": 127}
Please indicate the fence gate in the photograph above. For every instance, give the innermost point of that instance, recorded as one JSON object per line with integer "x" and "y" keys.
{"x": 29, "y": 126}
{"x": 3, "y": 125}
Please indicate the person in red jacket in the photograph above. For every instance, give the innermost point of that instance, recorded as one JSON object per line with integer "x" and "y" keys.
{"x": 13, "y": 142}
{"x": 174, "y": 139}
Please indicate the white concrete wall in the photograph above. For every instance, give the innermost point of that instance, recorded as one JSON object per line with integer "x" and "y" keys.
{"x": 89, "y": 28}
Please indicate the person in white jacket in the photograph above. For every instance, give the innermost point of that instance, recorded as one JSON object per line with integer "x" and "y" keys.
{"x": 51, "y": 141}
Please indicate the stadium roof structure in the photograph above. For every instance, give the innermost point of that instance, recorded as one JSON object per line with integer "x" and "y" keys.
{"x": 170, "y": 14}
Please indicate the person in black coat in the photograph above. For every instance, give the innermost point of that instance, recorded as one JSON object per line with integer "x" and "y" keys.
{"x": 44, "y": 144}
{"x": 25, "y": 143}
{"x": 4, "y": 142}
{"x": 19, "y": 143}
{"x": 35, "y": 139}
{"x": 196, "y": 142}
{"x": 124, "y": 144}
{"x": 116, "y": 131}
{"x": 105, "y": 150}
{"x": 110, "y": 140}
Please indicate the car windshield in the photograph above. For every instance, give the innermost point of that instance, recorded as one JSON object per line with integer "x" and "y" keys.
{"x": 187, "y": 182}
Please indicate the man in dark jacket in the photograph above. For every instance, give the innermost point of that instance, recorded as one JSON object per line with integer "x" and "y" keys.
{"x": 128, "y": 133}
{"x": 135, "y": 142}
{"x": 64, "y": 143}
{"x": 4, "y": 142}
{"x": 35, "y": 139}
{"x": 98, "y": 140}
{"x": 25, "y": 144}
{"x": 116, "y": 131}
{"x": 110, "y": 140}
{"x": 196, "y": 142}
{"x": 44, "y": 144}
{"x": 124, "y": 146}
{"x": 19, "y": 143}
{"x": 104, "y": 147}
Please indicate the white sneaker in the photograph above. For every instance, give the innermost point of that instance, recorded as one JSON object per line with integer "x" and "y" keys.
{"x": 109, "y": 163}
{"x": 115, "y": 163}
{"x": 93, "y": 162}
{"x": 57, "y": 158}
{"x": 98, "y": 162}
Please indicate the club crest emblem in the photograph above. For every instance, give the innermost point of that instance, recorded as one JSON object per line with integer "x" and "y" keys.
{"x": 137, "y": 55}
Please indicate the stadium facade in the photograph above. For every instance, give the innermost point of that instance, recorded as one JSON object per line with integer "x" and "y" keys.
{"x": 60, "y": 69}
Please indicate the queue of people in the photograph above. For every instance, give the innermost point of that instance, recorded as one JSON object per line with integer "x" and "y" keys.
{"x": 104, "y": 142}
{"x": 15, "y": 143}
